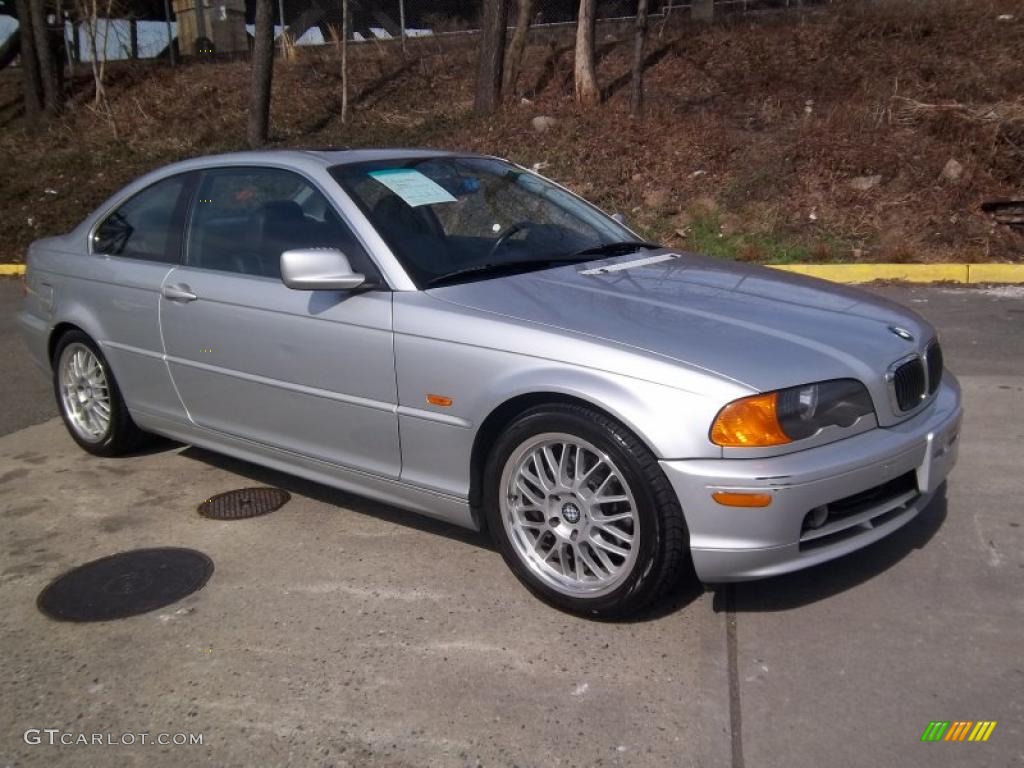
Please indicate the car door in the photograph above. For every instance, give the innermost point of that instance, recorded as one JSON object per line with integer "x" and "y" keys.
{"x": 310, "y": 372}
{"x": 132, "y": 249}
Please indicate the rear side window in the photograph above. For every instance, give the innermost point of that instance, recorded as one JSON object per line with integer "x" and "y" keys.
{"x": 243, "y": 219}
{"x": 143, "y": 227}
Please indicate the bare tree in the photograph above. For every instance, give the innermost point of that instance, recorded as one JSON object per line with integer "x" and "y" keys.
{"x": 262, "y": 75}
{"x": 587, "y": 92}
{"x": 517, "y": 46}
{"x": 70, "y": 53}
{"x": 29, "y": 63}
{"x": 344, "y": 59}
{"x": 636, "y": 90}
{"x": 492, "y": 56}
{"x": 90, "y": 12}
{"x": 48, "y": 73}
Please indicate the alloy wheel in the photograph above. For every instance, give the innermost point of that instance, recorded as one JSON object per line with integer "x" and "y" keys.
{"x": 85, "y": 392}
{"x": 570, "y": 514}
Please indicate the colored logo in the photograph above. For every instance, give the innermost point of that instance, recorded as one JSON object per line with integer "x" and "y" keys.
{"x": 958, "y": 730}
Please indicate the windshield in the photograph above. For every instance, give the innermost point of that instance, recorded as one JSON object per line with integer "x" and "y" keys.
{"x": 442, "y": 215}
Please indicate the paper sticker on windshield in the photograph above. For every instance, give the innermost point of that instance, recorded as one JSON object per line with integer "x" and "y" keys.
{"x": 412, "y": 186}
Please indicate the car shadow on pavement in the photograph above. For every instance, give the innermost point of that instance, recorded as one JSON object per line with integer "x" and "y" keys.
{"x": 688, "y": 589}
{"x": 793, "y": 590}
{"x": 334, "y": 497}
{"x": 153, "y": 444}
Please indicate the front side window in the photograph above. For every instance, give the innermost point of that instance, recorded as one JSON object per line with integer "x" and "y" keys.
{"x": 143, "y": 227}
{"x": 243, "y": 219}
{"x": 442, "y": 215}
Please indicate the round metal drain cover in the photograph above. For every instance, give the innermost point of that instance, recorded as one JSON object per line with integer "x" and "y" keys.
{"x": 243, "y": 503}
{"x": 125, "y": 584}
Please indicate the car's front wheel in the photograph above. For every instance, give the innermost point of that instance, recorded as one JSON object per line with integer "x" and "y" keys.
{"x": 89, "y": 400}
{"x": 582, "y": 513}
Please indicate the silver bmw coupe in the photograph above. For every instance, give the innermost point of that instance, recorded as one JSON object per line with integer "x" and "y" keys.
{"x": 458, "y": 336}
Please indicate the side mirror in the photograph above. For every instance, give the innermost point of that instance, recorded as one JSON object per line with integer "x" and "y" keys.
{"x": 318, "y": 269}
{"x": 619, "y": 218}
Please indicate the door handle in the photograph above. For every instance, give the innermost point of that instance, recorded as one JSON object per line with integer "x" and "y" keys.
{"x": 180, "y": 292}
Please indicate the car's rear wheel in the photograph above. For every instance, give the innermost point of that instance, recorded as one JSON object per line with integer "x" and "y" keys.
{"x": 582, "y": 513}
{"x": 89, "y": 400}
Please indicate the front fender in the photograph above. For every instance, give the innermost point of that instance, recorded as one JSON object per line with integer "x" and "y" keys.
{"x": 671, "y": 422}
{"x": 438, "y": 441}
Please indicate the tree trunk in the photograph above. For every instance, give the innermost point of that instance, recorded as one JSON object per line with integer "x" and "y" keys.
{"x": 344, "y": 61}
{"x": 517, "y": 46}
{"x": 492, "y": 56}
{"x": 262, "y": 75}
{"x": 587, "y": 92}
{"x": 133, "y": 38}
{"x": 32, "y": 87}
{"x": 48, "y": 75}
{"x": 636, "y": 90}
{"x": 76, "y": 44}
{"x": 401, "y": 22}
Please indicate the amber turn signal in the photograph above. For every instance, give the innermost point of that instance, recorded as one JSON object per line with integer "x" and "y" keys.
{"x": 749, "y": 422}
{"x": 440, "y": 400}
{"x": 737, "y": 499}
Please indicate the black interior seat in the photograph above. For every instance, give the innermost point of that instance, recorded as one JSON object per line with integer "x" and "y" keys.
{"x": 412, "y": 228}
{"x": 217, "y": 246}
{"x": 277, "y": 226}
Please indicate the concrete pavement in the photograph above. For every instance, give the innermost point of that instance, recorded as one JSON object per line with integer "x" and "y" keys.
{"x": 28, "y": 398}
{"x": 333, "y": 632}
{"x": 845, "y": 665}
{"x": 338, "y": 631}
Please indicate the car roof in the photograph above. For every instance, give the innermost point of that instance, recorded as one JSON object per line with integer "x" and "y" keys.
{"x": 296, "y": 158}
{"x": 327, "y": 156}
{"x": 344, "y": 155}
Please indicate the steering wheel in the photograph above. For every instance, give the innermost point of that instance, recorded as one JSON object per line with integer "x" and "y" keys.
{"x": 504, "y": 236}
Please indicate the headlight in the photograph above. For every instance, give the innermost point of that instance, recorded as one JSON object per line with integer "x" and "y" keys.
{"x": 777, "y": 418}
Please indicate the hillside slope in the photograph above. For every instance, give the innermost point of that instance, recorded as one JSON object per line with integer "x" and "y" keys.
{"x": 787, "y": 138}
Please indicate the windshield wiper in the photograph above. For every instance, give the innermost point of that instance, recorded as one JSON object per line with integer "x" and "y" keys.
{"x": 502, "y": 268}
{"x": 495, "y": 269}
{"x": 618, "y": 248}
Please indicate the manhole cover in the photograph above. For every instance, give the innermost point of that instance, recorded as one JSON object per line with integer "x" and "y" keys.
{"x": 246, "y": 502}
{"x": 125, "y": 584}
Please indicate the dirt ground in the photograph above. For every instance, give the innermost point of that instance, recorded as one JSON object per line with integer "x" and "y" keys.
{"x": 824, "y": 136}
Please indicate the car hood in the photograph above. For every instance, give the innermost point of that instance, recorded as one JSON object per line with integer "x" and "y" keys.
{"x": 764, "y": 328}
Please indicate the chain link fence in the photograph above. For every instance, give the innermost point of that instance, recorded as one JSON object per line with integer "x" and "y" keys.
{"x": 143, "y": 28}
{"x": 390, "y": 18}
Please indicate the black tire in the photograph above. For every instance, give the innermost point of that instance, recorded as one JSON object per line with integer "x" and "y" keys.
{"x": 122, "y": 435}
{"x": 663, "y": 549}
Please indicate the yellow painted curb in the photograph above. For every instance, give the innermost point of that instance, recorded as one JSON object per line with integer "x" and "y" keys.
{"x": 910, "y": 273}
{"x": 995, "y": 273}
{"x": 865, "y": 273}
{"x": 12, "y": 269}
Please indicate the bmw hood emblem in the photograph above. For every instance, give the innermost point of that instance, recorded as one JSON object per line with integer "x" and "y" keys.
{"x": 903, "y": 333}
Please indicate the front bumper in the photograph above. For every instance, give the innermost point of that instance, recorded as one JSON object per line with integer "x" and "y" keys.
{"x": 875, "y": 483}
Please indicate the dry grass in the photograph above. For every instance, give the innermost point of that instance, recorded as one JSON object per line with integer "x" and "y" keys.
{"x": 753, "y": 131}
